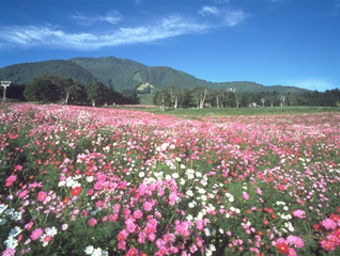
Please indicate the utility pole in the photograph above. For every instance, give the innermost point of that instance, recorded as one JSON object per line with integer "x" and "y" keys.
{"x": 5, "y": 84}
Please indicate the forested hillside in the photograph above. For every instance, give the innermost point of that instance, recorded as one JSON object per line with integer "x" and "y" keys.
{"x": 122, "y": 74}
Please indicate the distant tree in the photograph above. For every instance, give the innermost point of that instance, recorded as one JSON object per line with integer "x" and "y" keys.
{"x": 162, "y": 99}
{"x": 200, "y": 95}
{"x": 97, "y": 93}
{"x": 14, "y": 91}
{"x": 130, "y": 96}
{"x": 42, "y": 90}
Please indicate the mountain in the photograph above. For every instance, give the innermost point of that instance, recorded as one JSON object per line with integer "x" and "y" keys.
{"x": 26, "y": 72}
{"x": 121, "y": 74}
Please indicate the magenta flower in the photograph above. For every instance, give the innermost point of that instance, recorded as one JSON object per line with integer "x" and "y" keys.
{"x": 10, "y": 180}
{"x": 300, "y": 214}
{"x": 132, "y": 252}
{"x": 36, "y": 233}
{"x": 42, "y": 196}
{"x": 29, "y": 225}
{"x": 327, "y": 245}
{"x": 245, "y": 195}
{"x": 328, "y": 224}
{"x": 92, "y": 222}
{"x": 137, "y": 214}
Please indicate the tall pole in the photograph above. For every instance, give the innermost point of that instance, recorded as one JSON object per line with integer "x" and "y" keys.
{"x": 5, "y": 84}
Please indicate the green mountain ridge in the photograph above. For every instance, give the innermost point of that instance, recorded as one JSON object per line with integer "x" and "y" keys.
{"x": 121, "y": 74}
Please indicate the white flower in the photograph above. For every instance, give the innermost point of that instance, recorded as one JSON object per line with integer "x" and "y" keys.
{"x": 89, "y": 179}
{"x": 202, "y": 191}
{"x": 189, "y": 193}
{"x": 231, "y": 199}
{"x": 77, "y": 177}
{"x": 141, "y": 174}
{"x": 207, "y": 232}
{"x": 15, "y": 231}
{"x": 167, "y": 177}
{"x": 198, "y": 174}
{"x": 192, "y": 204}
{"x": 189, "y": 217}
{"x": 11, "y": 242}
{"x": 52, "y": 231}
{"x": 97, "y": 252}
{"x": 89, "y": 249}
{"x": 190, "y": 176}
{"x": 204, "y": 197}
{"x": 61, "y": 183}
{"x": 182, "y": 182}
{"x": 16, "y": 216}
{"x": 175, "y": 175}
{"x": 3, "y": 207}
{"x": 104, "y": 253}
{"x": 9, "y": 211}
{"x": 182, "y": 166}
{"x": 2, "y": 222}
{"x": 280, "y": 203}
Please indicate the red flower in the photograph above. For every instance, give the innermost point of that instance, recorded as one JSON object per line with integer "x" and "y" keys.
{"x": 269, "y": 210}
{"x": 334, "y": 217}
{"x": 282, "y": 247}
{"x": 76, "y": 191}
{"x": 316, "y": 226}
{"x": 65, "y": 200}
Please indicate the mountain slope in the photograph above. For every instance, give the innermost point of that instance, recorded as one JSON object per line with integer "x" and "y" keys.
{"x": 26, "y": 72}
{"x": 113, "y": 72}
{"x": 121, "y": 74}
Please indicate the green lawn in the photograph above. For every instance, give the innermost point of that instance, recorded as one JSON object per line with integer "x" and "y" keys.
{"x": 244, "y": 111}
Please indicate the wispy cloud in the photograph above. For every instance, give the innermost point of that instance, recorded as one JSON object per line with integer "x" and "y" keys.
{"x": 112, "y": 17}
{"x": 209, "y": 10}
{"x": 227, "y": 17}
{"x": 235, "y": 17}
{"x": 30, "y": 36}
{"x": 319, "y": 84}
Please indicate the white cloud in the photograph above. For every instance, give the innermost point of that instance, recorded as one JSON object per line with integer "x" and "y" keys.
{"x": 29, "y": 36}
{"x": 319, "y": 84}
{"x": 228, "y": 17}
{"x": 233, "y": 18}
{"x": 209, "y": 10}
{"x": 112, "y": 17}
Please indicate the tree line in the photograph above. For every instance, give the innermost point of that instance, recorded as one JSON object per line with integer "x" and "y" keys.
{"x": 172, "y": 97}
{"x": 50, "y": 88}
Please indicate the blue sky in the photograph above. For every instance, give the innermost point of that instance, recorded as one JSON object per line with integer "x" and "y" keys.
{"x": 270, "y": 42}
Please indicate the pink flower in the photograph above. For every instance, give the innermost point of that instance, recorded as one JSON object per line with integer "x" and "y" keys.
{"x": 36, "y": 233}
{"x": 10, "y": 180}
{"x": 92, "y": 222}
{"x": 98, "y": 185}
{"x": 42, "y": 196}
{"x": 29, "y": 225}
{"x": 147, "y": 206}
{"x": 327, "y": 245}
{"x": 328, "y": 224}
{"x": 300, "y": 214}
{"x": 23, "y": 194}
{"x": 294, "y": 240}
{"x": 9, "y": 252}
{"x": 245, "y": 195}
{"x": 137, "y": 214}
{"x": 132, "y": 252}
{"x": 122, "y": 235}
{"x": 291, "y": 252}
{"x": 122, "y": 245}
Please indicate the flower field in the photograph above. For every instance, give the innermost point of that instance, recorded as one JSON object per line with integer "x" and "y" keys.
{"x": 90, "y": 181}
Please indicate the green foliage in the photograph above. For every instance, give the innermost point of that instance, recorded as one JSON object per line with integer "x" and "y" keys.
{"x": 42, "y": 90}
